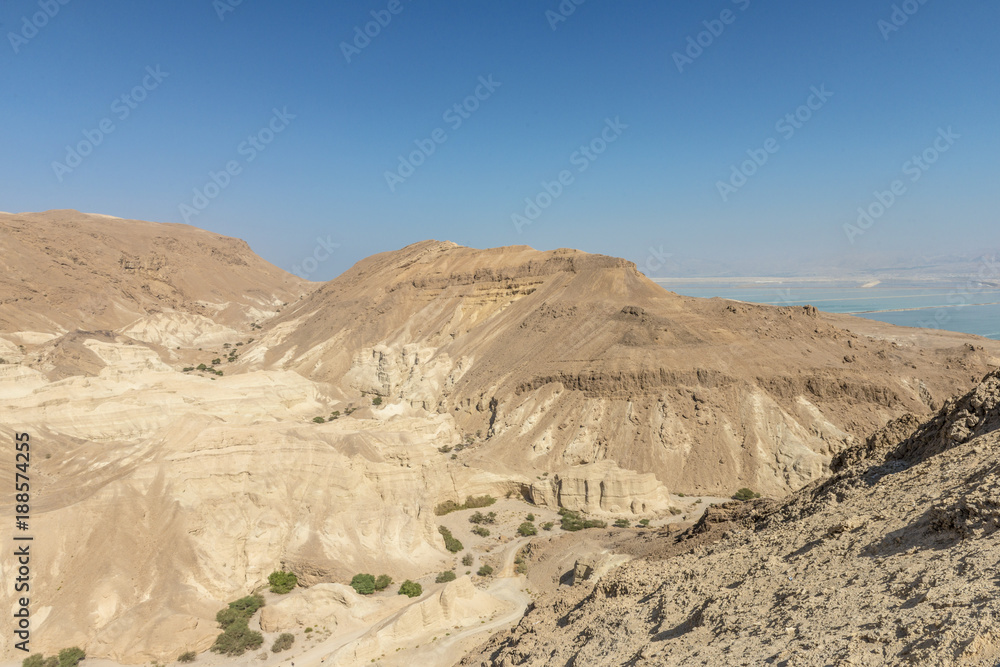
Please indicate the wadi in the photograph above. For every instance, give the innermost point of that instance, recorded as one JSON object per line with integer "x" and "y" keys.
{"x": 538, "y": 449}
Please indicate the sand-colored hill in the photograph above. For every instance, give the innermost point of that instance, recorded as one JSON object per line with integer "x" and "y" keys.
{"x": 889, "y": 561}
{"x": 65, "y": 270}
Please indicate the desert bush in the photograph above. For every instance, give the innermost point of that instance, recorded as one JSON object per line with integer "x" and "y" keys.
{"x": 548, "y": 525}
{"x": 382, "y": 582}
{"x": 527, "y": 529}
{"x": 216, "y": 361}
{"x": 410, "y": 589}
{"x": 237, "y": 639}
{"x": 444, "y": 449}
{"x": 644, "y": 523}
{"x": 283, "y": 642}
{"x": 572, "y": 521}
{"x": 445, "y": 577}
{"x": 450, "y": 543}
{"x": 202, "y": 367}
{"x": 745, "y": 494}
{"x": 364, "y": 584}
{"x": 36, "y": 660}
{"x": 319, "y": 420}
{"x": 187, "y": 656}
{"x": 282, "y": 582}
{"x": 471, "y": 503}
{"x": 70, "y": 657}
{"x": 467, "y": 560}
{"x": 485, "y": 571}
{"x": 481, "y": 532}
{"x": 377, "y": 400}
{"x": 530, "y": 517}
{"x": 622, "y": 523}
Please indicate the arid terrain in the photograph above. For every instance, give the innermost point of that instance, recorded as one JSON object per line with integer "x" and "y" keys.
{"x": 199, "y": 418}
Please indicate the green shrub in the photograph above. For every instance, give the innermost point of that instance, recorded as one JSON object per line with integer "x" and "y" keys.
{"x": 450, "y": 543}
{"x": 69, "y": 657}
{"x": 282, "y": 582}
{"x": 485, "y": 571}
{"x": 36, "y": 660}
{"x": 216, "y": 361}
{"x": 318, "y": 420}
{"x": 410, "y": 589}
{"x": 471, "y": 503}
{"x": 479, "y": 517}
{"x": 530, "y": 517}
{"x": 444, "y": 449}
{"x": 644, "y": 523}
{"x": 527, "y": 529}
{"x": 187, "y": 656}
{"x": 283, "y": 642}
{"x": 467, "y": 560}
{"x": 745, "y": 494}
{"x": 674, "y": 511}
{"x": 364, "y": 584}
{"x": 202, "y": 367}
{"x": 334, "y": 415}
{"x": 622, "y": 523}
{"x": 482, "y": 532}
{"x": 51, "y": 661}
{"x": 548, "y": 525}
{"x": 572, "y": 521}
{"x": 382, "y": 582}
{"x": 237, "y": 639}
{"x": 445, "y": 577}
{"x": 377, "y": 400}
{"x": 239, "y": 611}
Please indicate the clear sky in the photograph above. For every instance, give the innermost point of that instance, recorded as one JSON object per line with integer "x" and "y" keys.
{"x": 309, "y": 114}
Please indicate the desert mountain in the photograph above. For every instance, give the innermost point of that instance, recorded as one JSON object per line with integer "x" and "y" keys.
{"x": 889, "y": 561}
{"x": 200, "y": 418}
{"x": 564, "y": 358}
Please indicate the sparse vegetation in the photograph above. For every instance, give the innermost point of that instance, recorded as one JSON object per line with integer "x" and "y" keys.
{"x": 674, "y": 511}
{"x": 68, "y": 657}
{"x": 445, "y": 577}
{"x": 548, "y": 525}
{"x": 622, "y": 523}
{"x": 201, "y": 367}
{"x": 572, "y": 521}
{"x": 485, "y": 571}
{"x": 471, "y": 502}
{"x": 334, "y": 415}
{"x": 644, "y": 523}
{"x": 444, "y": 449}
{"x": 283, "y": 642}
{"x": 282, "y": 582}
{"x": 530, "y": 517}
{"x": 479, "y": 517}
{"x": 363, "y": 584}
{"x": 745, "y": 494}
{"x": 481, "y": 532}
{"x": 467, "y": 560}
{"x": 527, "y": 529}
{"x": 187, "y": 656}
{"x": 216, "y": 361}
{"x": 318, "y": 420}
{"x": 382, "y": 582}
{"x": 237, "y": 638}
{"x": 450, "y": 542}
{"x": 410, "y": 589}
{"x": 377, "y": 400}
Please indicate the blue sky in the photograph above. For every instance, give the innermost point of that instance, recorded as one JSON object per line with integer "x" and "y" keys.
{"x": 556, "y": 86}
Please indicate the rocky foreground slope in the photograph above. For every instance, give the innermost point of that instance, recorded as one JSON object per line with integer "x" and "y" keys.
{"x": 892, "y": 560}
